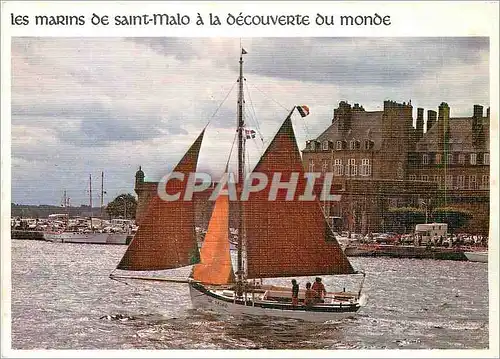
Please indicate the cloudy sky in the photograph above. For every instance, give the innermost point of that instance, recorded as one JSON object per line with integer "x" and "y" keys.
{"x": 85, "y": 105}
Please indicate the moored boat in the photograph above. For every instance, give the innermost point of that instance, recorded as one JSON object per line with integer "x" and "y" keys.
{"x": 477, "y": 256}
{"x": 82, "y": 237}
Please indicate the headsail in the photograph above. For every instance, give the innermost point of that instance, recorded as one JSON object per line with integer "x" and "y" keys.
{"x": 288, "y": 238}
{"x": 215, "y": 266}
{"x": 166, "y": 238}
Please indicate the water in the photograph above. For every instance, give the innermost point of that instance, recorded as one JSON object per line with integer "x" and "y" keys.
{"x": 62, "y": 298}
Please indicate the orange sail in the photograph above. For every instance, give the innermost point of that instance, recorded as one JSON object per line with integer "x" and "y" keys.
{"x": 288, "y": 238}
{"x": 166, "y": 237}
{"x": 215, "y": 266}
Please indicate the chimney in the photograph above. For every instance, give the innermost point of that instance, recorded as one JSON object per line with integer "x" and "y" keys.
{"x": 343, "y": 115}
{"x": 478, "y": 111}
{"x": 444, "y": 116}
{"x": 420, "y": 122}
{"x": 477, "y": 125}
{"x": 431, "y": 118}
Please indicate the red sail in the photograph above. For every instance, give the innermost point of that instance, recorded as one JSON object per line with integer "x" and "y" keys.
{"x": 215, "y": 266}
{"x": 166, "y": 237}
{"x": 288, "y": 238}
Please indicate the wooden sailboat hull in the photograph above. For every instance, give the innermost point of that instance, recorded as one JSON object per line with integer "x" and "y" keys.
{"x": 223, "y": 301}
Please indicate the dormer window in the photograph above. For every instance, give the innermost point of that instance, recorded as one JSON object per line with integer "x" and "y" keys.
{"x": 425, "y": 159}
{"x": 325, "y": 146}
{"x": 313, "y": 145}
{"x": 366, "y": 145}
{"x": 339, "y": 145}
{"x": 352, "y": 145}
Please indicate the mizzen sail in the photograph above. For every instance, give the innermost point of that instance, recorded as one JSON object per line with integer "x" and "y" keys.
{"x": 215, "y": 266}
{"x": 166, "y": 237}
{"x": 288, "y": 238}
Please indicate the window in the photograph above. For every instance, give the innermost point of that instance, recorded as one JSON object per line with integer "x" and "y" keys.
{"x": 449, "y": 181}
{"x": 486, "y": 159}
{"x": 325, "y": 146}
{"x": 352, "y": 145}
{"x": 339, "y": 145}
{"x": 472, "y": 182}
{"x": 313, "y": 145}
{"x": 450, "y": 158}
{"x": 425, "y": 178}
{"x": 461, "y": 158}
{"x": 412, "y": 177}
{"x": 485, "y": 184}
{"x": 350, "y": 168}
{"x": 311, "y": 165}
{"x": 437, "y": 179}
{"x": 354, "y": 169}
{"x": 439, "y": 158}
{"x": 338, "y": 170}
{"x": 473, "y": 158}
{"x": 461, "y": 182}
{"x": 365, "y": 169}
{"x": 324, "y": 167}
{"x": 367, "y": 145}
{"x": 425, "y": 159}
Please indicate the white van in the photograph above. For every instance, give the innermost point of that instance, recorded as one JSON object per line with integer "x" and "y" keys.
{"x": 430, "y": 232}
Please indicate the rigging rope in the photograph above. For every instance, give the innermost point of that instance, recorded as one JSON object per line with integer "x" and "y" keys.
{"x": 220, "y": 105}
{"x": 272, "y": 99}
{"x": 254, "y": 114}
{"x": 231, "y": 151}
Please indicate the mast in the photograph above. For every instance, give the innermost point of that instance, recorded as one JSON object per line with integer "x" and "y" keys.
{"x": 90, "y": 201}
{"x": 102, "y": 194}
{"x": 65, "y": 205}
{"x": 241, "y": 166}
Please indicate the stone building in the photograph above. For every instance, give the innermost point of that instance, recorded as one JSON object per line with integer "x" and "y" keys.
{"x": 380, "y": 160}
{"x": 377, "y": 159}
{"x": 454, "y": 153}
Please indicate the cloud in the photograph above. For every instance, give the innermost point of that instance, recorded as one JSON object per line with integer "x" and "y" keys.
{"x": 85, "y": 105}
{"x": 341, "y": 61}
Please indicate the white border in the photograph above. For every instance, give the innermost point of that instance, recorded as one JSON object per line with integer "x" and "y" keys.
{"x": 407, "y": 19}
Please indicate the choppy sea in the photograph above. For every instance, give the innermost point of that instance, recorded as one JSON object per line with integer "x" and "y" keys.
{"x": 62, "y": 298}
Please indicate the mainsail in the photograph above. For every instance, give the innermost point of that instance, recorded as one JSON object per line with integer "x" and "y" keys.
{"x": 215, "y": 266}
{"x": 288, "y": 237}
{"x": 166, "y": 237}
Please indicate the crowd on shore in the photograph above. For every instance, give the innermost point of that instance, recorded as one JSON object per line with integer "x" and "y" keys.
{"x": 449, "y": 241}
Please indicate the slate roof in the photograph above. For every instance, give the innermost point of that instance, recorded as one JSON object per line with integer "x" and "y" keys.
{"x": 364, "y": 126}
{"x": 460, "y": 136}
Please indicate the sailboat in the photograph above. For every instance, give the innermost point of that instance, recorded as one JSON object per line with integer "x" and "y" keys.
{"x": 89, "y": 235}
{"x": 281, "y": 238}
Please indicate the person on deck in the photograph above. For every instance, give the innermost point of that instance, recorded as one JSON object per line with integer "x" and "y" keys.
{"x": 295, "y": 293}
{"x": 310, "y": 294}
{"x": 320, "y": 291}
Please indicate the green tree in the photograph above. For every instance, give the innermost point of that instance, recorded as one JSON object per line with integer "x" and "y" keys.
{"x": 123, "y": 206}
{"x": 455, "y": 217}
{"x": 404, "y": 219}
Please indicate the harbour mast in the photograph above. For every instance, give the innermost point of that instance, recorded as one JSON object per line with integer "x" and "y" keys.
{"x": 241, "y": 167}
